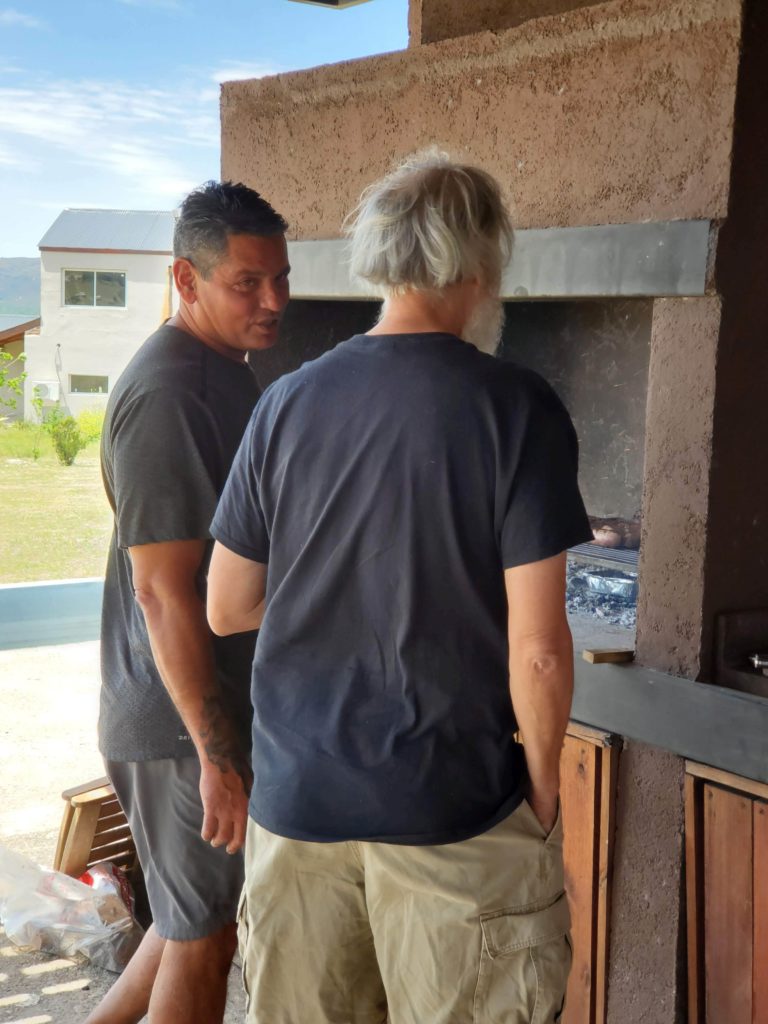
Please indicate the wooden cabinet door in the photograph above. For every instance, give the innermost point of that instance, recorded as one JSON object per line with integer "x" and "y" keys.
{"x": 726, "y": 823}
{"x": 588, "y": 793}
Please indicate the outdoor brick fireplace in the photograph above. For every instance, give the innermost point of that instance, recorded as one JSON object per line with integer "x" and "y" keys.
{"x": 629, "y": 138}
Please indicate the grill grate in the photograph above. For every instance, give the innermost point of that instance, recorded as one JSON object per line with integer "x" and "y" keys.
{"x": 598, "y": 555}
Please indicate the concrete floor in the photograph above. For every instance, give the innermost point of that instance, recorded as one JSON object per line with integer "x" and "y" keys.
{"x": 48, "y": 712}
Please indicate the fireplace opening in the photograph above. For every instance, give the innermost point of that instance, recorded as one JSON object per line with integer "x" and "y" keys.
{"x": 311, "y": 327}
{"x": 595, "y": 353}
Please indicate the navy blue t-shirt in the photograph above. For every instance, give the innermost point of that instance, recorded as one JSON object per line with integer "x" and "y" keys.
{"x": 388, "y": 484}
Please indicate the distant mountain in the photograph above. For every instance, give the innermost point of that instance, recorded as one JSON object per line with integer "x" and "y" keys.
{"x": 20, "y": 285}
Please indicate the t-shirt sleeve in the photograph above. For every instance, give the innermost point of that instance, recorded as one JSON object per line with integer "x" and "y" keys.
{"x": 543, "y": 510}
{"x": 239, "y": 523}
{"x": 162, "y": 460}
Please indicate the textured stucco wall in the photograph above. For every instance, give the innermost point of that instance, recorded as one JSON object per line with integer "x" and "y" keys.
{"x": 737, "y": 552}
{"x": 705, "y": 545}
{"x": 612, "y": 113}
{"x": 678, "y": 451}
{"x": 645, "y": 975}
{"x": 432, "y": 20}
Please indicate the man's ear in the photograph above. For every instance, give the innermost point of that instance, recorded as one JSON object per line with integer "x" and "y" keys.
{"x": 185, "y": 278}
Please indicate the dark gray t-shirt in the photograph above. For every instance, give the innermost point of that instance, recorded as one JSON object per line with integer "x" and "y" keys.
{"x": 173, "y": 424}
{"x": 388, "y": 484}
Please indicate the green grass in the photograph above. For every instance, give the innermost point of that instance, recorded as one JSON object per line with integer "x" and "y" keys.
{"x": 55, "y": 522}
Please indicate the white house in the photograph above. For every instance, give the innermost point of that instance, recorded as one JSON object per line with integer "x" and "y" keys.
{"x": 105, "y": 286}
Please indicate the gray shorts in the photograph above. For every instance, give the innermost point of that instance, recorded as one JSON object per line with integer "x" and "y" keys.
{"x": 193, "y": 889}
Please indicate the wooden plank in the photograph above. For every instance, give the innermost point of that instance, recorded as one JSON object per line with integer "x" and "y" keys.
{"x": 608, "y": 655}
{"x": 723, "y": 778}
{"x": 77, "y": 847}
{"x": 113, "y": 821}
{"x": 85, "y": 787}
{"x": 108, "y": 851}
{"x": 609, "y": 766}
{"x": 596, "y": 737}
{"x": 694, "y": 891}
{"x": 66, "y": 824}
{"x": 579, "y": 789}
{"x": 108, "y": 807}
{"x": 116, "y": 835}
{"x": 728, "y": 906}
{"x": 94, "y": 796}
{"x": 126, "y": 860}
{"x": 760, "y": 898}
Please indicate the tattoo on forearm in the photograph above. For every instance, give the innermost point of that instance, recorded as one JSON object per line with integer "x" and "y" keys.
{"x": 222, "y": 745}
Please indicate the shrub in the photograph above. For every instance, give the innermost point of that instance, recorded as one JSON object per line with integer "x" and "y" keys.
{"x": 67, "y": 439}
{"x": 52, "y": 417}
{"x": 91, "y": 422}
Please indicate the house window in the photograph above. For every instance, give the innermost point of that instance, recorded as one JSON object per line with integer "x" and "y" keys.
{"x": 94, "y": 288}
{"x": 85, "y": 384}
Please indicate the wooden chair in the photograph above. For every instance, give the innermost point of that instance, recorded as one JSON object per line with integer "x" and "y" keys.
{"x": 93, "y": 829}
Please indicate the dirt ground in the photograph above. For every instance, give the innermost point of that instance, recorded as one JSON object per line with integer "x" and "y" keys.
{"x": 48, "y": 711}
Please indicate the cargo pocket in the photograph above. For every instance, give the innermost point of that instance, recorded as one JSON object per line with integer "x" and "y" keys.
{"x": 524, "y": 966}
{"x": 242, "y": 942}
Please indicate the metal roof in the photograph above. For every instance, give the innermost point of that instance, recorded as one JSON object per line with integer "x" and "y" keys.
{"x": 13, "y": 325}
{"x": 118, "y": 230}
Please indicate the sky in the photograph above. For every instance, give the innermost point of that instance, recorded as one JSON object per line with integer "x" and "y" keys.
{"x": 114, "y": 103}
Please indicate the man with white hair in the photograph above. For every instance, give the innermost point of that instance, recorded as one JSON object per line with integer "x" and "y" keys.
{"x": 404, "y": 504}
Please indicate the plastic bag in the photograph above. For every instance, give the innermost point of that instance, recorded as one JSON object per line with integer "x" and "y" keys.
{"x": 45, "y": 910}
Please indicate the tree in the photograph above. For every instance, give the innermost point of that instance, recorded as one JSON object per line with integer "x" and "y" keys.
{"x": 11, "y": 383}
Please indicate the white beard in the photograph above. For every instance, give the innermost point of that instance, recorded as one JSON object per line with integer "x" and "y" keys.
{"x": 485, "y": 325}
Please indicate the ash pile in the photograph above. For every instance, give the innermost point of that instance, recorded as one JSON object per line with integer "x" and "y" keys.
{"x": 608, "y": 594}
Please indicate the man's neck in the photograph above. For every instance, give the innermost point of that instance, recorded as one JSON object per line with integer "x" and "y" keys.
{"x": 424, "y": 313}
{"x": 183, "y": 320}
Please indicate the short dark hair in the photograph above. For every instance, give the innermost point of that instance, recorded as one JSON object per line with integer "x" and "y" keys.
{"x": 213, "y": 212}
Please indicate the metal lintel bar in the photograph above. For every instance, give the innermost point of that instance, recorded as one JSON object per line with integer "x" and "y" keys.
{"x": 723, "y": 728}
{"x": 618, "y": 260}
{"x": 335, "y": 4}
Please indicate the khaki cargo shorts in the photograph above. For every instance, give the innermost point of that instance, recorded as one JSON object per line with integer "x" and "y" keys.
{"x": 474, "y": 932}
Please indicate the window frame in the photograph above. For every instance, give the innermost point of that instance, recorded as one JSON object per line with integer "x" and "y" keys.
{"x": 95, "y": 271}
{"x": 104, "y": 376}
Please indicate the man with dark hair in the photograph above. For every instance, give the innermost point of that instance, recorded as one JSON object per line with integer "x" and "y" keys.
{"x": 175, "y": 711}
{"x": 405, "y": 503}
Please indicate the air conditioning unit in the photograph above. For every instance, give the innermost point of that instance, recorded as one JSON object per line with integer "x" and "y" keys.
{"x": 47, "y": 390}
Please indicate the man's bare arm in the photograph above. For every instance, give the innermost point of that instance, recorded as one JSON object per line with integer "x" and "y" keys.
{"x": 540, "y": 674}
{"x": 236, "y": 588}
{"x": 164, "y": 581}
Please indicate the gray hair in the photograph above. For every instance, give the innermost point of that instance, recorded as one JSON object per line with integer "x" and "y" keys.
{"x": 429, "y": 224}
{"x": 213, "y": 212}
